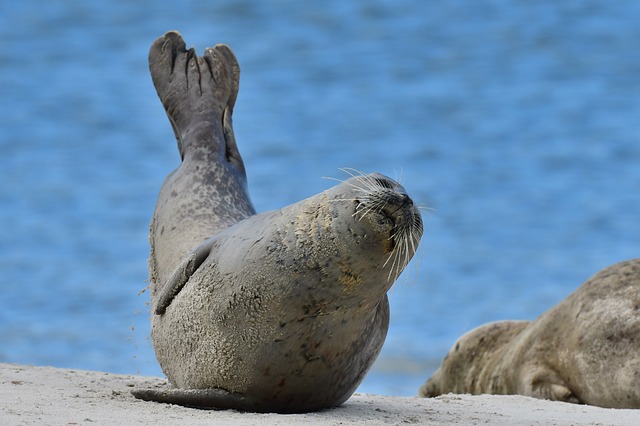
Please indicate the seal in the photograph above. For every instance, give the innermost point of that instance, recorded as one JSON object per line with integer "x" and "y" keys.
{"x": 584, "y": 350}
{"x": 282, "y": 311}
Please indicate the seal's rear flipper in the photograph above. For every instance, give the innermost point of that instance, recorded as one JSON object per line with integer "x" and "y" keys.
{"x": 197, "y": 398}
{"x": 182, "y": 274}
{"x": 198, "y": 94}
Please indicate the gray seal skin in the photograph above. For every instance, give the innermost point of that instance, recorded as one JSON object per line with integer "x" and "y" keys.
{"x": 282, "y": 311}
{"x": 584, "y": 350}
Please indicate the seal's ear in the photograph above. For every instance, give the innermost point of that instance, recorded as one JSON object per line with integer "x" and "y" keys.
{"x": 541, "y": 382}
{"x": 182, "y": 274}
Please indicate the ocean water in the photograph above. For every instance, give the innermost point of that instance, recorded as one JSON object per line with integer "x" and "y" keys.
{"x": 515, "y": 122}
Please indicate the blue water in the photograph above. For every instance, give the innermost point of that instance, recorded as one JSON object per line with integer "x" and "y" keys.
{"x": 517, "y": 122}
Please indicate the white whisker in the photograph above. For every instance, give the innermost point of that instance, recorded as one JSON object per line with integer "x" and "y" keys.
{"x": 427, "y": 210}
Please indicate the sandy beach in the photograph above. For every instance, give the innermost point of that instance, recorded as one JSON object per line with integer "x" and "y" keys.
{"x": 55, "y": 396}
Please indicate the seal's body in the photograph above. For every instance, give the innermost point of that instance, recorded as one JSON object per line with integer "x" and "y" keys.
{"x": 584, "y": 350}
{"x": 280, "y": 311}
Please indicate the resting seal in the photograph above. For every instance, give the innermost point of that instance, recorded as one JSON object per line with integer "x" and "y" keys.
{"x": 584, "y": 350}
{"x": 281, "y": 311}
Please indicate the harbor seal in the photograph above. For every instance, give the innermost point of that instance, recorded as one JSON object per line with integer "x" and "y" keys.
{"x": 584, "y": 350}
{"x": 282, "y": 311}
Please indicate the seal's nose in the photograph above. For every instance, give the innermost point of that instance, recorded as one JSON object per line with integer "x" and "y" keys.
{"x": 400, "y": 202}
{"x": 406, "y": 200}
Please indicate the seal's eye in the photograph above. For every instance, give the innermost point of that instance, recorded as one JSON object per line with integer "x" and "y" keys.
{"x": 385, "y": 221}
{"x": 383, "y": 183}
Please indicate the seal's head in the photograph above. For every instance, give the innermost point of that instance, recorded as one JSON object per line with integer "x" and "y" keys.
{"x": 471, "y": 364}
{"x": 383, "y": 217}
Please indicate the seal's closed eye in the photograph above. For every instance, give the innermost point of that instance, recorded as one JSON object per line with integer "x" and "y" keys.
{"x": 384, "y": 183}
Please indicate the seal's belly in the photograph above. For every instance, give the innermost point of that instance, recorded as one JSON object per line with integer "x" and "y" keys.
{"x": 275, "y": 349}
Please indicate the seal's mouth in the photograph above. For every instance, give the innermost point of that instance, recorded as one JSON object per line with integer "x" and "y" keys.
{"x": 404, "y": 218}
{"x": 405, "y": 237}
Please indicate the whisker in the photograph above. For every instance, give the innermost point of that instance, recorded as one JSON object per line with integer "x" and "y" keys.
{"x": 332, "y": 178}
{"x": 366, "y": 184}
{"x": 399, "y": 178}
{"x": 425, "y": 209}
{"x": 339, "y": 200}
{"x": 352, "y": 172}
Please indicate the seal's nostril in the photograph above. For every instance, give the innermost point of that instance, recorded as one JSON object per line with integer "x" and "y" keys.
{"x": 406, "y": 200}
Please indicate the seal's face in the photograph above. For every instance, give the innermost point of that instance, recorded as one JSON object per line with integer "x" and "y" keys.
{"x": 386, "y": 208}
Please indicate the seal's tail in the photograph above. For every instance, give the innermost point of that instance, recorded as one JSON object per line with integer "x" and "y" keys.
{"x": 198, "y": 94}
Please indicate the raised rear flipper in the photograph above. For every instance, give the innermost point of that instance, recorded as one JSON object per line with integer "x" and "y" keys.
{"x": 198, "y": 94}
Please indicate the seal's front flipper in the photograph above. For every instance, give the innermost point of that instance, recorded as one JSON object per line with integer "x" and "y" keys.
{"x": 182, "y": 274}
{"x": 544, "y": 383}
{"x": 196, "y": 398}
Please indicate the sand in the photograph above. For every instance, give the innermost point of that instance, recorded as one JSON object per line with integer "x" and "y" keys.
{"x": 55, "y": 396}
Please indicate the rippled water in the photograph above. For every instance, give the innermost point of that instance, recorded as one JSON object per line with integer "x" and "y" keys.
{"x": 516, "y": 122}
